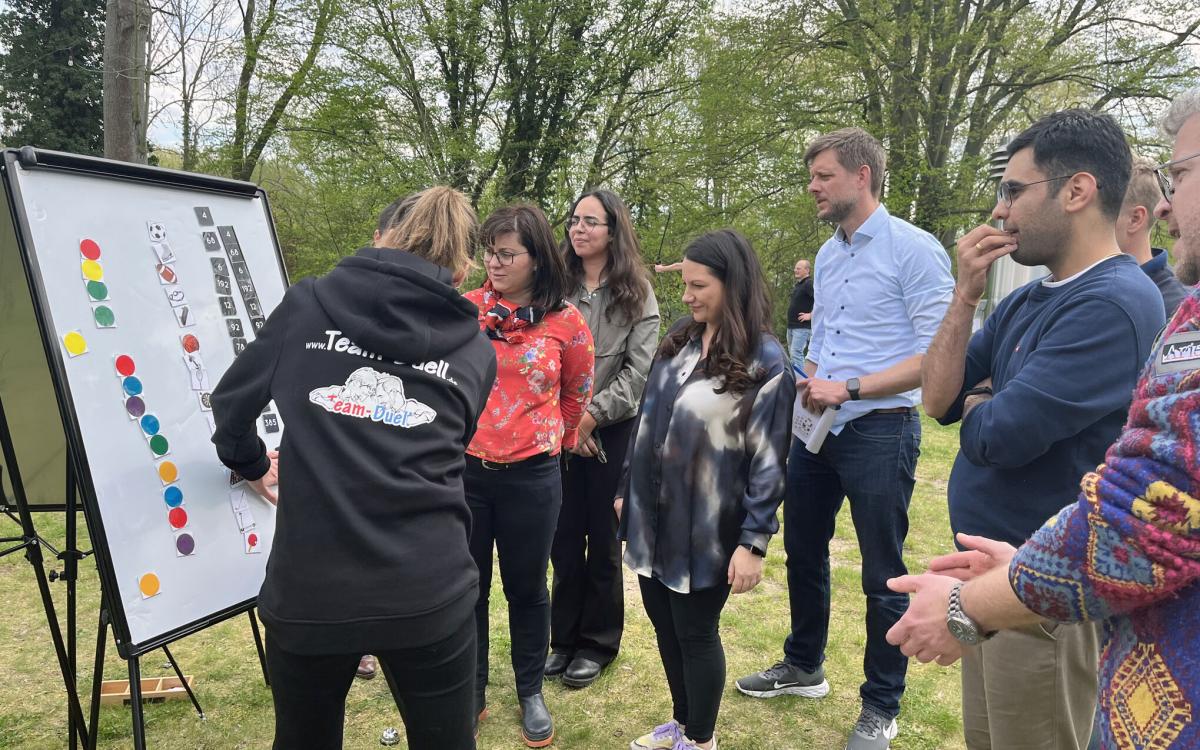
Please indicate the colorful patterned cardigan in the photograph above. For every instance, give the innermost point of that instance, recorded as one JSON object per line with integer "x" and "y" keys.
{"x": 1128, "y": 554}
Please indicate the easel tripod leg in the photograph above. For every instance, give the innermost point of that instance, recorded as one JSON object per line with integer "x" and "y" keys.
{"x": 135, "y": 698}
{"x": 183, "y": 680}
{"x": 258, "y": 644}
{"x": 98, "y": 677}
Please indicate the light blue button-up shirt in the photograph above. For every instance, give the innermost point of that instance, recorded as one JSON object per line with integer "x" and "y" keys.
{"x": 880, "y": 297}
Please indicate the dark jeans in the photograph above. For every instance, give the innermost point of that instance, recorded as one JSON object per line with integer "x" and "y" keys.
{"x": 587, "y": 604}
{"x": 689, "y": 643}
{"x": 516, "y": 511}
{"x": 873, "y": 462}
{"x": 433, "y": 687}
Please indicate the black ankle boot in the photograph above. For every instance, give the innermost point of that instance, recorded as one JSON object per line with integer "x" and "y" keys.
{"x": 537, "y": 727}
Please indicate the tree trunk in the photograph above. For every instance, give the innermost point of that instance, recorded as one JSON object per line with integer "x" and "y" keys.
{"x": 126, "y": 41}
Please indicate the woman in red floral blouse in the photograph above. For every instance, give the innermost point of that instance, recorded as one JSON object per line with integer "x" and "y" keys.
{"x": 544, "y": 361}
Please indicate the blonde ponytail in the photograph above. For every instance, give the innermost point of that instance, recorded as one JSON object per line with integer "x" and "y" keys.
{"x": 440, "y": 226}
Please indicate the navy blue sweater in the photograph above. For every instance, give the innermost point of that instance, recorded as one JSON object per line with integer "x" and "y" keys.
{"x": 1063, "y": 362}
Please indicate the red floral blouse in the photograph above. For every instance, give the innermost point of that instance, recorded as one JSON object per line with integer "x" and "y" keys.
{"x": 543, "y": 384}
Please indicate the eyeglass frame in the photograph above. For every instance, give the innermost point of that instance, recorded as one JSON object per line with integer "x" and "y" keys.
{"x": 1006, "y": 193}
{"x": 575, "y": 221}
{"x": 1165, "y": 183}
{"x": 500, "y": 255}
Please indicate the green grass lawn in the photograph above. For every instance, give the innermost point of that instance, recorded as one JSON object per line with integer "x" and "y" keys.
{"x": 629, "y": 698}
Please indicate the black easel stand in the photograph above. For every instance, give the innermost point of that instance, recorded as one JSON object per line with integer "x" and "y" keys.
{"x": 79, "y": 730}
{"x": 31, "y": 544}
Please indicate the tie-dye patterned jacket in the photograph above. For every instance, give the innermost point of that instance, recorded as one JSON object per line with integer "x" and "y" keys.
{"x": 1128, "y": 554}
{"x": 705, "y": 472}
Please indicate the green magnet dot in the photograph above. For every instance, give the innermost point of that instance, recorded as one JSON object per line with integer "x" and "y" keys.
{"x": 105, "y": 317}
{"x": 159, "y": 445}
{"x": 98, "y": 290}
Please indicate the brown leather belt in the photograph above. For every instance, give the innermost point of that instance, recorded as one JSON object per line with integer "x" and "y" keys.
{"x": 894, "y": 410}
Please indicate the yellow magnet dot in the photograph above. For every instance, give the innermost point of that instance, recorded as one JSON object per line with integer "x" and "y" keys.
{"x": 75, "y": 342}
{"x": 92, "y": 271}
{"x": 167, "y": 471}
{"x": 148, "y": 584}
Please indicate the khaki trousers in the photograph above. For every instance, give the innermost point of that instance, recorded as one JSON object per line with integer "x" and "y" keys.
{"x": 1031, "y": 689}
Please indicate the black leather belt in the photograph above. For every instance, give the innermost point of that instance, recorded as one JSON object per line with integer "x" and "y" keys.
{"x": 505, "y": 466}
{"x": 893, "y": 410}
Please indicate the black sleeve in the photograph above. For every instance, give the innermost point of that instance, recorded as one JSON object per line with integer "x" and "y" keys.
{"x": 485, "y": 390}
{"x": 244, "y": 391}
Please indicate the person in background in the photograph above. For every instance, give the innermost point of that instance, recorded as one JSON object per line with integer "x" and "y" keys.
{"x": 610, "y": 289}
{"x": 668, "y": 267}
{"x": 1134, "y": 227}
{"x": 705, "y": 475}
{"x": 881, "y": 289}
{"x": 1126, "y": 552}
{"x": 544, "y": 357}
{"x": 799, "y": 314}
{"x": 371, "y": 551}
{"x": 1041, "y": 390}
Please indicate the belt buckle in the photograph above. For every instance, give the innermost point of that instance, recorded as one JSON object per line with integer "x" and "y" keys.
{"x": 490, "y": 466}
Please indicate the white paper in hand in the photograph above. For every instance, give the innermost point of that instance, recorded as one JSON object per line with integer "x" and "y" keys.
{"x": 811, "y": 427}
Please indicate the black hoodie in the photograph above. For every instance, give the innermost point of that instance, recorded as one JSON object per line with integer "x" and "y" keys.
{"x": 379, "y": 372}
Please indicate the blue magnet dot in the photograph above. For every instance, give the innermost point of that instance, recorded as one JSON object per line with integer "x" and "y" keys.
{"x": 173, "y": 496}
{"x": 132, "y": 385}
{"x": 150, "y": 424}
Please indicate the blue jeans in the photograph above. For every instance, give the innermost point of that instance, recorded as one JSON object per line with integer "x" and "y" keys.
{"x": 873, "y": 462}
{"x": 798, "y": 344}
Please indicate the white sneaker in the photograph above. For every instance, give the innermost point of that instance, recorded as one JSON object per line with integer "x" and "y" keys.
{"x": 662, "y": 737}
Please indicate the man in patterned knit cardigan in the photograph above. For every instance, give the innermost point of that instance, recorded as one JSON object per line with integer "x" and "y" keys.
{"x": 1127, "y": 552}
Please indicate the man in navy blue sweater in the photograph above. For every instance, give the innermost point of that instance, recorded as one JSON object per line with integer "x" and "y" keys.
{"x": 1041, "y": 390}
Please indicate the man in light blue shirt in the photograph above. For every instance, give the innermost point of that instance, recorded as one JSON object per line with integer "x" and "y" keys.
{"x": 882, "y": 287}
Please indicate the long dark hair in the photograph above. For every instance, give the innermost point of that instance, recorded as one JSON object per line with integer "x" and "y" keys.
{"x": 626, "y": 277}
{"x": 550, "y": 284}
{"x": 745, "y": 311}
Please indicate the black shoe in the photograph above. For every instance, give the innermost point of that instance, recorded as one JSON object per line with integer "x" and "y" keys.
{"x": 537, "y": 728}
{"x": 581, "y": 673}
{"x": 556, "y": 664}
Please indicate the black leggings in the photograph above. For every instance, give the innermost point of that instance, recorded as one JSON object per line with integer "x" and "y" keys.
{"x": 689, "y": 643}
{"x": 432, "y": 685}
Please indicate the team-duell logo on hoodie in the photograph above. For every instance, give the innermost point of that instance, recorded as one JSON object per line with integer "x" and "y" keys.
{"x": 377, "y": 396}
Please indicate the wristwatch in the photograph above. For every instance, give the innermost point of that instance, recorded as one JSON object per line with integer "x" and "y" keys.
{"x": 853, "y": 386}
{"x": 753, "y": 549}
{"x": 963, "y": 628}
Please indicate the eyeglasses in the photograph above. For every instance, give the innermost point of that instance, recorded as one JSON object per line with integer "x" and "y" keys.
{"x": 505, "y": 257}
{"x": 589, "y": 222}
{"x": 1008, "y": 191}
{"x": 1163, "y": 174}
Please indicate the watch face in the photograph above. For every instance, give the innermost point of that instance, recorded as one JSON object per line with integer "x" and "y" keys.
{"x": 962, "y": 629}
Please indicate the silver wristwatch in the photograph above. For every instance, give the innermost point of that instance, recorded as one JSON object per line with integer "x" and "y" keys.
{"x": 963, "y": 628}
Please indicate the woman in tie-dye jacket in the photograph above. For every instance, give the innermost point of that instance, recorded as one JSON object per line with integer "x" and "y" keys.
{"x": 705, "y": 474}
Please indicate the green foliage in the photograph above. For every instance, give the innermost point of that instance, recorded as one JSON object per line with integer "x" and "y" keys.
{"x": 698, "y": 117}
{"x": 50, "y": 74}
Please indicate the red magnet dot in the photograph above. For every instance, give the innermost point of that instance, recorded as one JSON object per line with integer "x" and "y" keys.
{"x": 253, "y": 539}
{"x": 89, "y": 249}
{"x": 191, "y": 343}
{"x": 177, "y": 517}
{"x": 125, "y": 366}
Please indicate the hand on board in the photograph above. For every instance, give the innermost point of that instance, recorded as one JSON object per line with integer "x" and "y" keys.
{"x": 266, "y": 485}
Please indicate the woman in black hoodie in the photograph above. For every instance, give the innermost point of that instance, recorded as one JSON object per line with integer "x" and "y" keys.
{"x": 379, "y": 372}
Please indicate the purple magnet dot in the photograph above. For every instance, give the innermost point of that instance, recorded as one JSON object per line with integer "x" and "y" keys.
{"x": 135, "y": 406}
{"x": 185, "y": 544}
